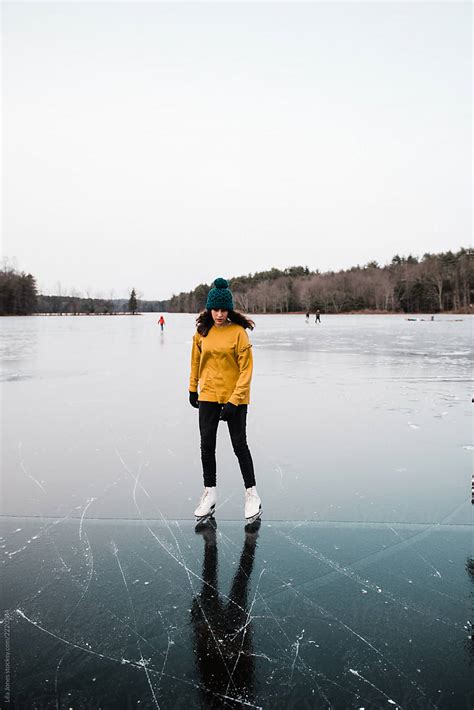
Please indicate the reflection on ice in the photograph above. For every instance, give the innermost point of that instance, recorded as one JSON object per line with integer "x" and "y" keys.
{"x": 222, "y": 628}
{"x": 126, "y": 614}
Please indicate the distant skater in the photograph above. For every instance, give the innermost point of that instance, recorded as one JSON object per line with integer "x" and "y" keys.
{"x": 307, "y": 317}
{"x": 318, "y": 316}
{"x": 161, "y": 323}
{"x": 221, "y": 366}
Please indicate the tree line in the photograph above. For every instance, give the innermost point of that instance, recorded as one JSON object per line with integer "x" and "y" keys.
{"x": 431, "y": 284}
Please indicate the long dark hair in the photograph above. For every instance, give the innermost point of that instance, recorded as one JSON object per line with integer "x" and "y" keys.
{"x": 205, "y": 321}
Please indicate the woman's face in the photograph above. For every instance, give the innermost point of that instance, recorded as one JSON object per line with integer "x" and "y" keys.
{"x": 219, "y": 317}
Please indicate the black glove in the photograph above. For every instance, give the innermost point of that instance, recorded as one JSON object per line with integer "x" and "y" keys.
{"x": 228, "y": 411}
{"x": 193, "y": 399}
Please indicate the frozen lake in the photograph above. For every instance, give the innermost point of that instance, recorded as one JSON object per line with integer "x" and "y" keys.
{"x": 361, "y": 418}
{"x": 355, "y": 592}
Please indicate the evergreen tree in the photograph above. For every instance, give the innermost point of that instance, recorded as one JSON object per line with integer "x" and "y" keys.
{"x": 132, "y": 302}
{"x": 18, "y": 294}
{"x": 27, "y": 295}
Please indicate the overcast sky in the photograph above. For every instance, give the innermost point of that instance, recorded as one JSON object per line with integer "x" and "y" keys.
{"x": 158, "y": 145}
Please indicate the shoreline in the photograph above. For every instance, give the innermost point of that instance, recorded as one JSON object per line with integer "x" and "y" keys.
{"x": 289, "y": 313}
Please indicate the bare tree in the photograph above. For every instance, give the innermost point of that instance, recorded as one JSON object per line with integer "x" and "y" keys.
{"x": 433, "y": 273}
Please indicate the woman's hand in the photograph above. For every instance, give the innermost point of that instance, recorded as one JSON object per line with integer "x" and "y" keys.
{"x": 193, "y": 400}
{"x": 228, "y": 411}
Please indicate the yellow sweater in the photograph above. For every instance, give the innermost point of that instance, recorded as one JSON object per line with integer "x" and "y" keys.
{"x": 222, "y": 364}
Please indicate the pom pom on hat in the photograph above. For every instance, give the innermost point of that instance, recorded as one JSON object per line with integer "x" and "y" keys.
{"x": 220, "y": 283}
{"x": 220, "y": 296}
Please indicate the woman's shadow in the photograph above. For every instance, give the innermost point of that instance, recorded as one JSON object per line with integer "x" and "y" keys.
{"x": 222, "y": 627}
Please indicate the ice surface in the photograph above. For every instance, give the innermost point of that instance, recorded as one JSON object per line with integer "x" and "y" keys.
{"x": 355, "y": 593}
{"x": 360, "y": 418}
{"x": 151, "y": 614}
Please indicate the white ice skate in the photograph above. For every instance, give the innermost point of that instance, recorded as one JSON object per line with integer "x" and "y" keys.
{"x": 206, "y": 505}
{"x": 253, "y": 505}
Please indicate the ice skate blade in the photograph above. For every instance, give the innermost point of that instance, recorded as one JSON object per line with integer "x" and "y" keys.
{"x": 203, "y": 518}
{"x": 253, "y": 518}
{"x": 208, "y": 524}
{"x": 251, "y": 529}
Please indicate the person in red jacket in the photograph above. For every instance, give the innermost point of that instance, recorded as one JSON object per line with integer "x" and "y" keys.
{"x": 161, "y": 322}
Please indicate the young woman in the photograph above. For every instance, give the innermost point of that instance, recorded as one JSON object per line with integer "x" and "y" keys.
{"x": 221, "y": 365}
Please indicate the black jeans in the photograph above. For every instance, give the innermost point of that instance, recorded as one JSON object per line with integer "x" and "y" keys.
{"x": 209, "y": 413}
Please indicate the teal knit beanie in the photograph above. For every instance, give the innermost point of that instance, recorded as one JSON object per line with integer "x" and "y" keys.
{"x": 220, "y": 296}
